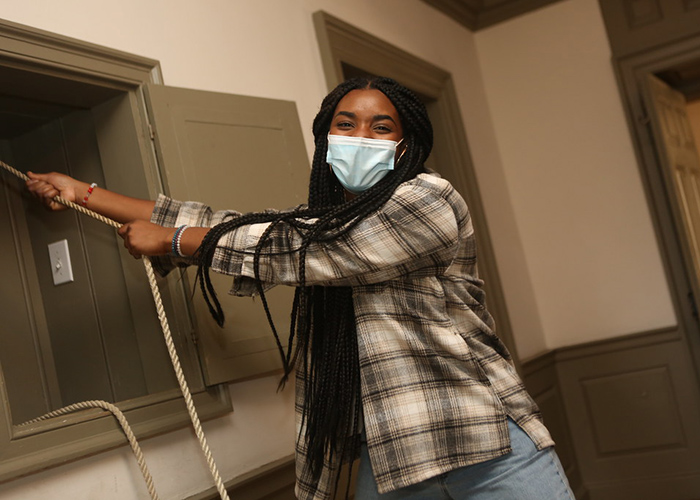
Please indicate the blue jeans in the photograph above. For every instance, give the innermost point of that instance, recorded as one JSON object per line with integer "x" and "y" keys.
{"x": 523, "y": 474}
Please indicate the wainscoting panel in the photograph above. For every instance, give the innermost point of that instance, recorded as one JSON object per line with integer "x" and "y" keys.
{"x": 540, "y": 377}
{"x": 624, "y": 412}
{"x": 633, "y": 411}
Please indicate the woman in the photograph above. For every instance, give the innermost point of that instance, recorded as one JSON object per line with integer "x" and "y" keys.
{"x": 396, "y": 356}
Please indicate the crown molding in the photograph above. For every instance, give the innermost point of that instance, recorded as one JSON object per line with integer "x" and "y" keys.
{"x": 478, "y": 14}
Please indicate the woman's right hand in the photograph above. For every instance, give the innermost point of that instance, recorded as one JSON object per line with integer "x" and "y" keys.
{"x": 47, "y": 186}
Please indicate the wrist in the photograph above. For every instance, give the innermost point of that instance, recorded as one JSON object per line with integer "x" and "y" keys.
{"x": 88, "y": 193}
{"x": 167, "y": 242}
{"x": 80, "y": 191}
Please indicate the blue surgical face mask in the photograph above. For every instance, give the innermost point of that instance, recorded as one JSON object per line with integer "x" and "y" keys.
{"x": 358, "y": 162}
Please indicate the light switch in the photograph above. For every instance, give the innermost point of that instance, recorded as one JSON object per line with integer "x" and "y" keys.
{"x": 60, "y": 262}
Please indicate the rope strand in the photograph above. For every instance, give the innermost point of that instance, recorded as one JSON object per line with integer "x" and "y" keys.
{"x": 175, "y": 360}
{"x": 96, "y": 403}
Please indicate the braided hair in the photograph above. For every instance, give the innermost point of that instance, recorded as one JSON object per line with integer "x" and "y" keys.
{"x": 323, "y": 321}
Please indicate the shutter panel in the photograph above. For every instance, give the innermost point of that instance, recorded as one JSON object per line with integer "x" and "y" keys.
{"x": 231, "y": 152}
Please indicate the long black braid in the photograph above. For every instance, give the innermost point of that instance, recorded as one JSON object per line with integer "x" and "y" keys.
{"x": 323, "y": 321}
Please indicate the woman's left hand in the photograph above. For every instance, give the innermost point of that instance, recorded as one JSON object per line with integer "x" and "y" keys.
{"x": 145, "y": 238}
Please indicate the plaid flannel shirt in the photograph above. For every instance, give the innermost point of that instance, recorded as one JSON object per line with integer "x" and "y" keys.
{"x": 437, "y": 383}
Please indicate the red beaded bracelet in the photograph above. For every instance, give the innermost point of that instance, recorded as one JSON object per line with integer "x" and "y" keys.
{"x": 90, "y": 190}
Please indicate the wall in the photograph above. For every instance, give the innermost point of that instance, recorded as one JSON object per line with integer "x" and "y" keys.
{"x": 572, "y": 176}
{"x": 562, "y": 194}
{"x": 267, "y": 49}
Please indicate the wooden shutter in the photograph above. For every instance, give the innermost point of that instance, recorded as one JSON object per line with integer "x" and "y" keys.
{"x": 241, "y": 153}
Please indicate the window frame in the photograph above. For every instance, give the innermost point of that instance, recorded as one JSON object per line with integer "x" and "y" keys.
{"x": 29, "y": 448}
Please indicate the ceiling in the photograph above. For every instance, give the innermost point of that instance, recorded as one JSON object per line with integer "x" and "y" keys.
{"x": 478, "y": 14}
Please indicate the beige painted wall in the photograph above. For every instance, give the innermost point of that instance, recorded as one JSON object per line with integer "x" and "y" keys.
{"x": 562, "y": 195}
{"x": 572, "y": 176}
{"x": 265, "y": 48}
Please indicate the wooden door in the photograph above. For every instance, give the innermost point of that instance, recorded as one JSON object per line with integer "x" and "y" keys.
{"x": 678, "y": 157}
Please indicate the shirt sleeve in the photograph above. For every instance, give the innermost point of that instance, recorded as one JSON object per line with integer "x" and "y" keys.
{"x": 174, "y": 213}
{"x": 417, "y": 230}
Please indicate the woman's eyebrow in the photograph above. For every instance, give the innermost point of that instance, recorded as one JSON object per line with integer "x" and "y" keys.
{"x": 377, "y": 118}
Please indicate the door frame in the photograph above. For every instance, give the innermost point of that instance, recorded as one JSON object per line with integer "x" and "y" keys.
{"x": 341, "y": 43}
{"x": 632, "y": 72}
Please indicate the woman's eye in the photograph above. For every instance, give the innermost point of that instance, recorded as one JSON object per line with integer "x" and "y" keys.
{"x": 382, "y": 128}
{"x": 343, "y": 124}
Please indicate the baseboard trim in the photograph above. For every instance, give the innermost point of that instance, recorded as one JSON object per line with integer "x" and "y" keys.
{"x": 274, "y": 480}
{"x": 684, "y": 487}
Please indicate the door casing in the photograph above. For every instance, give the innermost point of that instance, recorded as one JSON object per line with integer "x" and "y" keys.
{"x": 343, "y": 45}
{"x": 632, "y": 73}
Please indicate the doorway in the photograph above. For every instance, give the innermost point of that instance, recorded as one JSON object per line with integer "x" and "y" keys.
{"x": 675, "y": 125}
{"x": 661, "y": 89}
{"x": 347, "y": 51}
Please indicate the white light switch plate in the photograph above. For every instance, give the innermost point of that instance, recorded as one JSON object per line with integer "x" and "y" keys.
{"x": 60, "y": 262}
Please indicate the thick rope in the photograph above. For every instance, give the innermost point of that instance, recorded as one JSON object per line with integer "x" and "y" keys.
{"x": 96, "y": 403}
{"x": 65, "y": 202}
{"x": 173, "y": 358}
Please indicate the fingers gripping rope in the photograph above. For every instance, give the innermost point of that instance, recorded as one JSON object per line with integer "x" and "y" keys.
{"x": 173, "y": 358}
{"x": 65, "y": 202}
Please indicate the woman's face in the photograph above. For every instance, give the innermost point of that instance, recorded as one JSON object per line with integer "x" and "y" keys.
{"x": 367, "y": 113}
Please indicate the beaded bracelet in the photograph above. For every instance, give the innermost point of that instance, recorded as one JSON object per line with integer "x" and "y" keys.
{"x": 177, "y": 240}
{"x": 89, "y": 192}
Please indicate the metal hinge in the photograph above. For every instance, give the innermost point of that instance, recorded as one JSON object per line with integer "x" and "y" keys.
{"x": 693, "y": 305}
{"x": 643, "y": 117}
{"x": 150, "y": 132}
